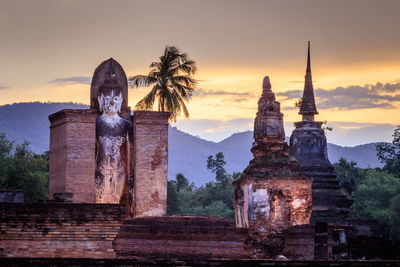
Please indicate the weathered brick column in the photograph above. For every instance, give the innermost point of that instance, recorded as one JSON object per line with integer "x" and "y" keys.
{"x": 72, "y": 154}
{"x": 150, "y": 132}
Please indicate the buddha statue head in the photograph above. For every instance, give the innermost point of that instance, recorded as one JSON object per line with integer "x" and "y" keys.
{"x": 110, "y": 98}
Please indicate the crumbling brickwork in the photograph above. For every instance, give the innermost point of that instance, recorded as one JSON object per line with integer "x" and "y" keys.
{"x": 273, "y": 193}
{"x": 72, "y": 154}
{"x": 181, "y": 237}
{"x": 150, "y": 132}
{"x": 58, "y": 230}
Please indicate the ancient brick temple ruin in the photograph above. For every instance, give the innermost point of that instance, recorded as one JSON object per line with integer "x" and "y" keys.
{"x": 338, "y": 232}
{"x": 108, "y": 182}
{"x": 308, "y": 145}
{"x": 106, "y": 155}
{"x": 108, "y": 189}
{"x": 273, "y": 194}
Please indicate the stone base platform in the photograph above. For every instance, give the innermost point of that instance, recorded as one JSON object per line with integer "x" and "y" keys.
{"x": 22, "y": 262}
{"x": 181, "y": 237}
{"x": 99, "y": 231}
{"x": 95, "y": 234}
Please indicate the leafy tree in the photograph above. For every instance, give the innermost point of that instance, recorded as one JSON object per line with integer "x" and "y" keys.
{"x": 389, "y": 154}
{"x": 21, "y": 169}
{"x": 217, "y": 166}
{"x": 377, "y": 197}
{"x": 213, "y": 199}
{"x": 181, "y": 182}
{"x": 348, "y": 175}
{"x": 5, "y": 159}
{"x": 171, "y": 78}
{"x": 172, "y": 198}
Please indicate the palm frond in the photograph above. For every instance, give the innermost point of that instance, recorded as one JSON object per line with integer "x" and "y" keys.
{"x": 181, "y": 104}
{"x": 184, "y": 91}
{"x": 188, "y": 67}
{"x": 141, "y": 80}
{"x": 185, "y": 79}
{"x": 155, "y": 65}
{"x": 147, "y": 102}
{"x": 173, "y": 84}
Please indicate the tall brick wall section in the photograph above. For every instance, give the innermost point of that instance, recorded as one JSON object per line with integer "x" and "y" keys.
{"x": 150, "y": 151}
{"x": 72, "y": 154}
{"x": 59, "y": 230}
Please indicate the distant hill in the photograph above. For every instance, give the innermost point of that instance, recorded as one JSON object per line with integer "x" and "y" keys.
{"x": 187, "y": 153}
{"x": 30, "y": 121}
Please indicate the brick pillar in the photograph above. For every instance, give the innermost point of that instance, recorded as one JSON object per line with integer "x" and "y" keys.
{"x": 150, "y": 133}
{"x": 72, "y": 154}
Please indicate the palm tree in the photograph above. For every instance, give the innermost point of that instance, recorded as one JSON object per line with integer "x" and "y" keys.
{"x": 171, "y": 80}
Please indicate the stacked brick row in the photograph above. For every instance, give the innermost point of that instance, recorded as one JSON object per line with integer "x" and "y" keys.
{"x": 72, "y": 154}
{"x": 150, "y": 132}
{"x": 181, "y": 237}
{"x": 58, "y": 230}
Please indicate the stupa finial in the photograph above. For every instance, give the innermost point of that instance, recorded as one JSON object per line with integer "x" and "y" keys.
{"x": 308, "y": 108}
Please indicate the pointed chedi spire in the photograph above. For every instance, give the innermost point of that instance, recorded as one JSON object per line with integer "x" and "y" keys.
{"x": 268, "y": 124}
{"x": 266, "y": 85}
{"x": 308, "y": 108}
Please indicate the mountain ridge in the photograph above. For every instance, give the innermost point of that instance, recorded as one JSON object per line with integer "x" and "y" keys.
{"x": 187, "y": 153}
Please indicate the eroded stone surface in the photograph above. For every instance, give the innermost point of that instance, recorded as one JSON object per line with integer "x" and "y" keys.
{"x": 151, "y": 163}
{"x": 308, "y": 145}
{"x": 72, "y": 161}
{"x": 102, "y": 73}
{"x": 273, "y": 194}
{"x": 112, "y": 135}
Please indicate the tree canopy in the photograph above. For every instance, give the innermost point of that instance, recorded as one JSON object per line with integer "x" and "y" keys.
{"x": 171, "y": 78}
{"x": 213, "y": 199}
{"x": 21, "y": 169}
{"x": 376, "y": 195}
{"x": 389, "y": 154}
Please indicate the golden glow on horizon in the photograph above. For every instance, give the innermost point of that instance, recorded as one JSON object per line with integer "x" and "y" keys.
{"x": 226, "y": 107}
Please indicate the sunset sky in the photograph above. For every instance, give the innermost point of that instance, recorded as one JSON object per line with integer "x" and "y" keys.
{"x": 49, "y": 50}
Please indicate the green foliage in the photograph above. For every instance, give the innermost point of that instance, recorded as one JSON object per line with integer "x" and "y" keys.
{"x": 213, "y": 199}
{"x": 181, "y": 182}
{"x": 389, "y": 154}
{"x": 21, "y": 169}
{"x": 326, "y": 128}
{"x": 171, "y": 80}
{"x": 377, "y": 197}
{"x": 298, "y": 103}
{"x": 217, "y": 166}
{"x": 348, "y": 175}
{"x": 172, "y": 198}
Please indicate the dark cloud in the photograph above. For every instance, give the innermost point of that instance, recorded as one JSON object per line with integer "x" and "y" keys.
{"x": 233, "y": 96}
{"x": 289, "y": 108}
{"x": 296, "y": 81}
{"x": 3, "y": 87}
{"x": 71, "y": 80}
{"x": 353, "y": 97}
{"x": 202, "y": 92}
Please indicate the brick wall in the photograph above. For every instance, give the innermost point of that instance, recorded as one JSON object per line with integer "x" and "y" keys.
{"x": 58, "y": 230}
{"x": 181, "y": 237}
{"x": 72, "y": 154}
{"x": 299, "y": 242}
{"x": 150, "y": 151}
